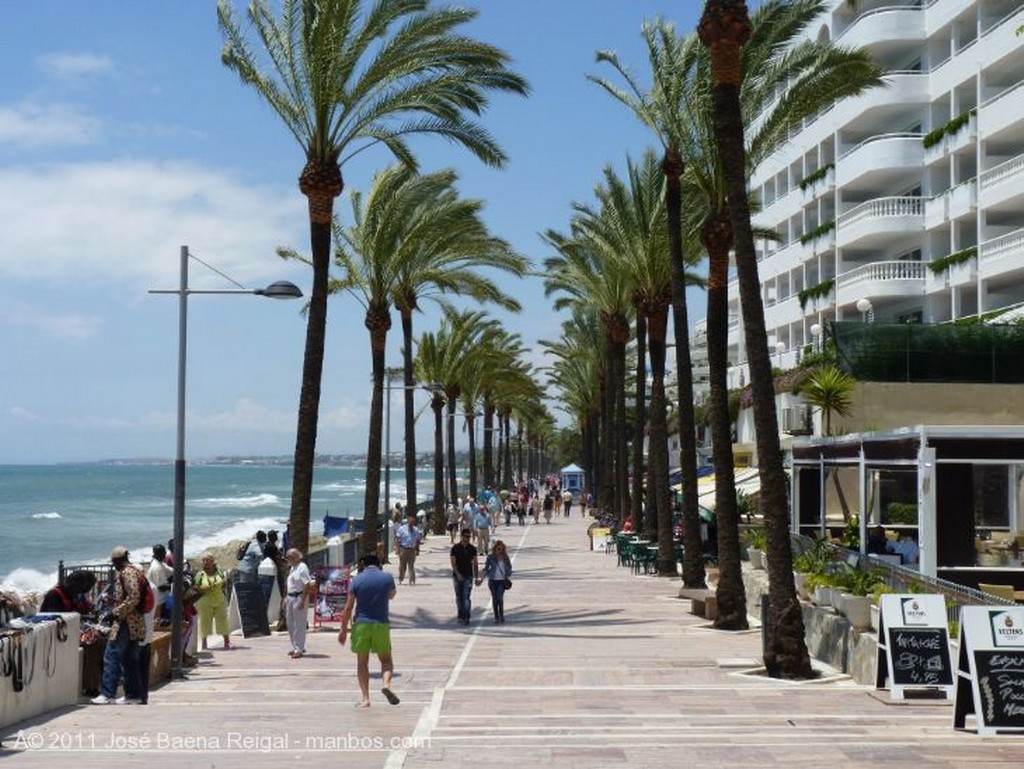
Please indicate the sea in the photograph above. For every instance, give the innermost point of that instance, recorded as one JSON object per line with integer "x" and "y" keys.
{"x": 78, "y": 512}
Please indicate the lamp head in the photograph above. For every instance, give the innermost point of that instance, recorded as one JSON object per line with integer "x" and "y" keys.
{"x": 281, "y": 289}
{"x": 863, "y": 305}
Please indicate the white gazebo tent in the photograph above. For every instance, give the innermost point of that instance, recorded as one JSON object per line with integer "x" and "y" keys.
{"x": 572, "y": 480}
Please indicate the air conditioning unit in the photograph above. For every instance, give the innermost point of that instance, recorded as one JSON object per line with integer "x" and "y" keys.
{"x": 794, "y": 421}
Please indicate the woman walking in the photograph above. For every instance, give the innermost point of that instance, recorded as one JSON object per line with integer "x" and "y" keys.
{"x": 498, "y": 570}
{"x": 212, "y": 603}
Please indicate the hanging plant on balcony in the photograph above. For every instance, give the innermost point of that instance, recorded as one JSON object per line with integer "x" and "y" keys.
{"x": 817, "y": 232}
{"x": 819, "y": 291}
{"x": 818, "y": 175}
{"x": 940, "y": 266}
{"x": 949, "y": 129}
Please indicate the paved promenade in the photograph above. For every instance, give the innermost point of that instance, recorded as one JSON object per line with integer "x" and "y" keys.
{"x": 594, "y": 667}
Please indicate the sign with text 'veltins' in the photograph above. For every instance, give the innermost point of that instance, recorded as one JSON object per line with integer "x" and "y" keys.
{"x": 990, "y": 671}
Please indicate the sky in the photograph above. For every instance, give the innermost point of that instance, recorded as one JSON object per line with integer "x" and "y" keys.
{"x": 123, "y": 137}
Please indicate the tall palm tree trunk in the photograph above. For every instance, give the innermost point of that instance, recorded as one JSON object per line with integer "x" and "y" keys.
{"x": 471, "y": 429}
{"x": 725, "y": 28}
{"x": 488, "y": 443}
{"x": 437, "y": 404}
{"x": 608, "y": 433}
{"x": 321, "y": 183}
{"x": 511, "y": 482}
{"x": 716, "y": 236}
{"x": 658, "y": 491}
{"x": 621, "y": 436}
{"x": 508, "y": 454}
{"x": 378, "y": 321}
{"x": 453, "y": 484}
{"x": 640, "y": 420}
{"x": 410, "y": 413}
{"x": 693, "y": 559}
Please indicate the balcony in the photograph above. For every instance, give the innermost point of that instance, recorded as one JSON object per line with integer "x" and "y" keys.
{"x": 899, "y": 22}
{"x": 955, "y": 203}
{"x": 1001, "y": 111}
{"x": 902, "y": 89}
{"x": 999, "y": 256}
{"x": 881, "y": 279}
{"x": 1001, "y": 184}
{"x": 876, "y": 221}
{"x": 880, "y": 157}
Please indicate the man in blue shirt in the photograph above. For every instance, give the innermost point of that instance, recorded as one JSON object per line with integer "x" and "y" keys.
{"x": 368, "y": 596}
{"x": 407, "y": 547}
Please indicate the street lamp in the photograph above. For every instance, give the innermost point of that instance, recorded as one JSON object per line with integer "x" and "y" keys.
{"x": 780, "y": 347}
{"x": 866, "y": 310}
{"x": 816, "y": 336}
{"x": 279, "y": 290}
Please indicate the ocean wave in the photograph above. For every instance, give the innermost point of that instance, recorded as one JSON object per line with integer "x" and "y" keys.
{"x": 25, "y": 580}
{"x": 196, "y": 544}
{"x": 255, "y": 500}
{"x": 343, "y": 487}
{"x": 47, "y": 516}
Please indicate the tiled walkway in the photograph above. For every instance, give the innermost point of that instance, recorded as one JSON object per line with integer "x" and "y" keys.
{"x": 595, "y": 667}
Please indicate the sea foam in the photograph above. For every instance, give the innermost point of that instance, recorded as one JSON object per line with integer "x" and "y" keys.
{"x": 47, "y": 516}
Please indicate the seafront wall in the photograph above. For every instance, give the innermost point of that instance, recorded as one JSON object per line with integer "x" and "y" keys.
{"x": 50, "y": 671}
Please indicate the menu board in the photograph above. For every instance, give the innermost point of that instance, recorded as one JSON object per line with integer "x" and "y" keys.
{"x": 990, "y": 671}
{"x": 920, "y": 656}
{"x": 913, "y": 644}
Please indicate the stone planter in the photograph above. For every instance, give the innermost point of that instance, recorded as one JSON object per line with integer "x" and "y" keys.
{"x": 822, "y": 595}
{"x": 856, "y": 608}
{"x": 874, "y": 616}
{"x": 756, "y": 558}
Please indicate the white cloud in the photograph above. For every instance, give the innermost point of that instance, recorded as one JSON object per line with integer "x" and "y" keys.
{"x": 74, "y": 66}
{"x": 125, "y": 220}
{"x": 343, "y": 418}
{"x": 49, "y": 321}
{"x": 245, "y": 416}
{"x": 31, "y": 124}
{"x": 22, "y": 413}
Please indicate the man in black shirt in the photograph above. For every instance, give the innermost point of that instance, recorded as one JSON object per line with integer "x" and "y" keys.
{"x": 465, "y": 573}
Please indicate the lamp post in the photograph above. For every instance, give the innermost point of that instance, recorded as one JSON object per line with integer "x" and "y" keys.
{"x": 780, "y": 347}
{"x": 866, "y": 310}
{"x": 278, "y": 290}
{"x": 816, "y": 336}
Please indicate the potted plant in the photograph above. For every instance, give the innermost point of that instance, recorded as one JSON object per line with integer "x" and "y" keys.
{"x": 757, "y": 540}
{"x": 819, "y": 588}
{"x": 855, "y": 604}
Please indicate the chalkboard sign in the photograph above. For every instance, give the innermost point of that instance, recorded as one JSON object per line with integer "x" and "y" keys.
{"x": 990, "y": 670}
{"x": 920, "y": 656}
{"x": 913, "y": 645}
{"x": 251, "y": 608}
{"x": 1001, "y": 685}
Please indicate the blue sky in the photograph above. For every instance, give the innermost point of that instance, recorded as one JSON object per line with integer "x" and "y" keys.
{"x": 123, "y": 137}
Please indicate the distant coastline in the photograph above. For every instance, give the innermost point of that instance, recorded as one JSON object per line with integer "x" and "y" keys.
{"x": 345, "y": 461}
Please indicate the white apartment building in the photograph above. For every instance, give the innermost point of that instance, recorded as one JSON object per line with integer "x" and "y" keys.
{"x": 905, "y": 204}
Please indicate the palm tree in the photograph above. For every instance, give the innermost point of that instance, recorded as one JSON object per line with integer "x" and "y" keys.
{"x": 587, "y": 270}
{"x": 453, "y": 244}
{"x": 631, "y": 225}
{"x": 724, "y": 29}
{"x": 344, "y": 75}
{"x": 430, "y": 366}
{"x": 831, "y": 390}
{"x": 663, "y": 111}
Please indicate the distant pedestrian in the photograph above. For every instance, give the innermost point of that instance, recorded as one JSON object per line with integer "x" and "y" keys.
{"x": 160, "y": 576}
{"x": 482, "y": 525}
{"x": 549, "y": 506}
{"x": 213, "y": 603}
{"x": 368, "y": 597}
{"x": 498, "y": 570}
{"x": 536, "y": 504}
{"x": 566, "y": 503}
{"x": 452, "y": 518}
{"x": 465, "y": 573}
{"x": 521, "y": 512}
{"x": 295, "y": 602}
{"x": 407, "y": 547}
{"x": 583, "y": 504}
{"x": 128, "y": 631}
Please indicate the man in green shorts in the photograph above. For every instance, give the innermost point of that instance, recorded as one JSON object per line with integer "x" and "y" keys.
{"x": 369, "y": 595}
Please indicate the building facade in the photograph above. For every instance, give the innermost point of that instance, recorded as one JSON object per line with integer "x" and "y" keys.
{"x": 905, "y": 204}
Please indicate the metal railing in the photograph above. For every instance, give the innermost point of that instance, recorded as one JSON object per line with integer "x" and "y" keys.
{"x": 904, "y": 579}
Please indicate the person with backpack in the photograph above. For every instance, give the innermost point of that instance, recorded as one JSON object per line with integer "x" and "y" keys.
{"x": 121, "y": 659}
{"x": 212, "y": 604}
{"x": 249, "y": 557}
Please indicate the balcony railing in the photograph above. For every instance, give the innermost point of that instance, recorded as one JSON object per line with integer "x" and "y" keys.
{"x": 1002, "y": 172}
{"x": 902, "y": 270}
{"x": 1004, "y": 245}
{"x": 883, "y": 207}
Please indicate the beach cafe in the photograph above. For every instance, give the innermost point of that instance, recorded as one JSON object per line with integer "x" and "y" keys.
{"x": 949, "y": 498}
